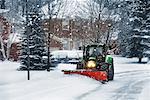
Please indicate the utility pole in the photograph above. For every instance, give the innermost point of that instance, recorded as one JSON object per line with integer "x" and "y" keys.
{"x": 27, "y": 33}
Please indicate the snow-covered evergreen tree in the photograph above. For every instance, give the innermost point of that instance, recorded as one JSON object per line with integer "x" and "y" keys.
{"x": 124, "y": 26}
{"x": 36, "y": 43}
{"x": 139, "y": 19}
{"x": 146, "y": 30}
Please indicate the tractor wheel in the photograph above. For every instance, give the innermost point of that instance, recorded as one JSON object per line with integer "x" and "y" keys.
{"x": 111, "y": 72}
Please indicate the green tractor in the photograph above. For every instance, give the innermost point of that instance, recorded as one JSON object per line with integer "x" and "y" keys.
{"x": 96, "y": 57}
{"x": 96, "y": 63}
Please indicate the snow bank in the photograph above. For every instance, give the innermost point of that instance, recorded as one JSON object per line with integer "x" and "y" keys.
{"x": 67, "y": 53}
{"x": 66, "y": 67}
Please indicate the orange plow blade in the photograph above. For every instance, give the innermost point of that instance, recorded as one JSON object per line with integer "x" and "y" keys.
{"x": 97, "y": 75}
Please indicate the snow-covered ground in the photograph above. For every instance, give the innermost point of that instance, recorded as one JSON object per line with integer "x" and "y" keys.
{"x": 132, "y": 82}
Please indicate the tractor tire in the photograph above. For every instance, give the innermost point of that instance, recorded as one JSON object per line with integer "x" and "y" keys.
{"x": 111, "y": 72}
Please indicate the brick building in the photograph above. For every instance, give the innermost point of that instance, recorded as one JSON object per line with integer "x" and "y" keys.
{"x": 75, "y": 32}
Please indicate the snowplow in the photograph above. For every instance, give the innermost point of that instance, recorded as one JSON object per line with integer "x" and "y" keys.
{"x": 96, "y": 64}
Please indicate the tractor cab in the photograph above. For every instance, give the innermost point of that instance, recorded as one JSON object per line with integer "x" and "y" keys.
{"x": 94, "y": 52}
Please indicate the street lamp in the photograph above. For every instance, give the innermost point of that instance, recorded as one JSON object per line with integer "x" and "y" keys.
{"x": 48, "y": 49}
{"x": 28, "y": 49}
{"x": 48, "y": 61}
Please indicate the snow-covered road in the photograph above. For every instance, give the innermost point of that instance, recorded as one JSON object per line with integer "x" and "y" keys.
{"x": 132, "y": 82}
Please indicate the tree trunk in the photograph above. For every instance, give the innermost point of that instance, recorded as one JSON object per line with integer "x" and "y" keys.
{"x": 2, "y": 48}
{"x": 140, "y": 59}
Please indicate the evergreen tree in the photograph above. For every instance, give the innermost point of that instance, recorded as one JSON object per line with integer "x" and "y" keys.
{"x": 146, "y": 31}
{"x": 139, "y": 17}
{"x": 36, "y": 43}
{"x": 124, "y": 26}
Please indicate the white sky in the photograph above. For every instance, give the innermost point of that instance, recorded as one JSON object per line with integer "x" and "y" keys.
{"x": 71, "y": 8}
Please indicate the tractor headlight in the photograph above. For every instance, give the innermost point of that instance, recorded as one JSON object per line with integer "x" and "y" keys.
{"x": 91, "y": 64}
